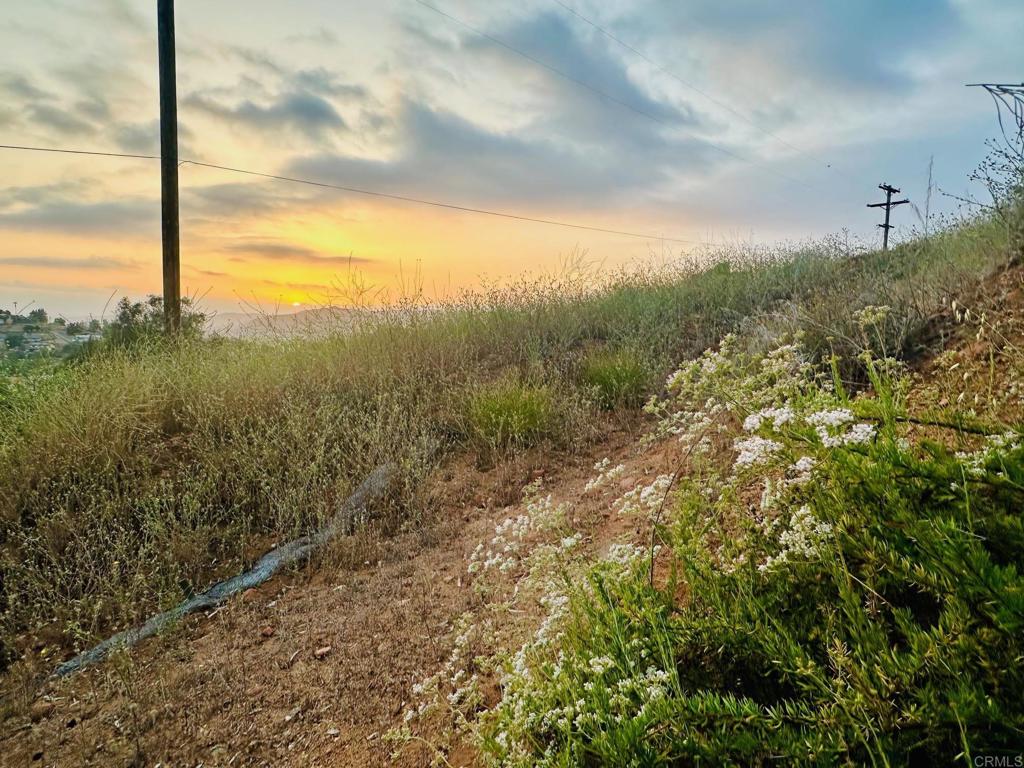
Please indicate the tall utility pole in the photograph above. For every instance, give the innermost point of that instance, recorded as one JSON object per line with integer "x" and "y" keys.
{"x": 889, "y": 204}
{"x": 169, "y": 166}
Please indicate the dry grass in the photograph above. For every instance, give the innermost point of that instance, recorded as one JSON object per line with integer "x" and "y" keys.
{"x": 138, "y": 476}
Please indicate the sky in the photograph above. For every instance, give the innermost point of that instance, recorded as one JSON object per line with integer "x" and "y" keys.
{"x": 689, "y": 123}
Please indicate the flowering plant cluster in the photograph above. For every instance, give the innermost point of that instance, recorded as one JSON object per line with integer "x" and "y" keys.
{"x": 606, "y": 473}
{"x": 831, "y": 570}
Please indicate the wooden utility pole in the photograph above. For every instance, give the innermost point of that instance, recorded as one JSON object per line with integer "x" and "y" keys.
{"x": 169, "y": 166}
{"x": 889, "y": 204}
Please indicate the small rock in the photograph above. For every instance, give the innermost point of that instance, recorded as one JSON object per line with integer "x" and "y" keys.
{"x": 627, "y": 483}
{"x": 250, "y": 595}
{"x": 333, "y": 732}
{"x": 321, "y": 653}
{"x": 267, "y": 631}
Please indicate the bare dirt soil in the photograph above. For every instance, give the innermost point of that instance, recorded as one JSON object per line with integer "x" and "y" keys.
{"x": 312, "y": 668}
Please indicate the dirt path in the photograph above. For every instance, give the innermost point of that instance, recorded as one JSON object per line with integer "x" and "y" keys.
{"x": 315, "y": 667}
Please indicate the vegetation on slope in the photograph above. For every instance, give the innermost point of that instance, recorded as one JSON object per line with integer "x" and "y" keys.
{"x": 139, "y": 474}
{"x": 834, "y": 574}
{"x": 837, "y": 581}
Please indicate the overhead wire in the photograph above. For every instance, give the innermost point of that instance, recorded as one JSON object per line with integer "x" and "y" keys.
{"x": 368, "y": 192}
{"x": 78, "y": 152}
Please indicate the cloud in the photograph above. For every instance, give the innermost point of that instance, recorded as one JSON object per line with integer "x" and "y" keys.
{"x": 322, "y": 36}
{"x": 272, "y": 251}
{"x": 318, "y": 80}
{"x": 144, "y": 137}
{"x": 138, "y": 138}
{"x": 108, "y": 15}
{"x": 303, "y": 112}
{"x": 564, "y": 144}
{"x": 551, "y": 39}
{"x": 227, "y": 204}
{"x": 44, "y": 193}
{"x": 125, "y": 13}
{"x": 326, "y": 83}
{"x": 7, "y": 117}
{"x": 59, "y": 120}
{"x": 862, "y": 46}
{"x": 95, "y": 108}
{"x": 115, "y": 218}
{"x": 63, "y": 262}
{"x": 442, "y": 155}
{"x": 17, "y": 84}
{"x": 279, "y": 96}
{"x": 256, "y": 58}
{"x": 234, "y": 199}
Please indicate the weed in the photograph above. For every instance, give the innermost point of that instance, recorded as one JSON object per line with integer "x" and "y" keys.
{"x": 619, "y": 378}
{"x": 138, "y": 475}
{"x": 511, "y": 415}
{"x": 841, "y": 618}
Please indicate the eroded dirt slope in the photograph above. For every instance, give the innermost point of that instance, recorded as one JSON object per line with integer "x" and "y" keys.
{"x": 314, "y": 667}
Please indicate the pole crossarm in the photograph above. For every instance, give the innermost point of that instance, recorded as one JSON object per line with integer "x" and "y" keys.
{"x": 889, "y": 204}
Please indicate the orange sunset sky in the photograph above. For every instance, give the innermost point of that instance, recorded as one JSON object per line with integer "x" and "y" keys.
{"x": 740, "y": 121}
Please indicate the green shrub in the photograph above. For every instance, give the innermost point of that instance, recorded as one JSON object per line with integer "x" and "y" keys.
{"x": 511, "y": 415}
{"x": 869, "y": 609}
{"x": 618, "y": 378}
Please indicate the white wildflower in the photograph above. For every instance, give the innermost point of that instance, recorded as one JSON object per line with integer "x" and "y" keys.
{"x": 859, "y": 433}
{"x": 755, "y": 450}
{"x": 803, "y": 465}
{"x": 645, "y": 498}
{"x": 833, "y": 419}
{"x": 605, "y": 475}
{"x": 802, "y": 538}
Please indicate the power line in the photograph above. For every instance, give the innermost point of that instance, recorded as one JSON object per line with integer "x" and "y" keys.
{"x": 368, "y": 192}
{"x": 78, "y": 152}
{"x": 685, "y": 83}
{"x": 602, "y": 94}
{"x": 436, "y": 204}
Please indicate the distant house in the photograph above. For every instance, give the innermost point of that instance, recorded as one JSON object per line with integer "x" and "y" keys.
{"x": 38, "y": 342}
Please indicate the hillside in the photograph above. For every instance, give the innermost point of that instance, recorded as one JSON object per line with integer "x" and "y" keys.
{"x": 517, "y": 542}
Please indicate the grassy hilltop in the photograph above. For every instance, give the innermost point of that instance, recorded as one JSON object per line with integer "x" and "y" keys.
{"x": 887, "y": 624}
